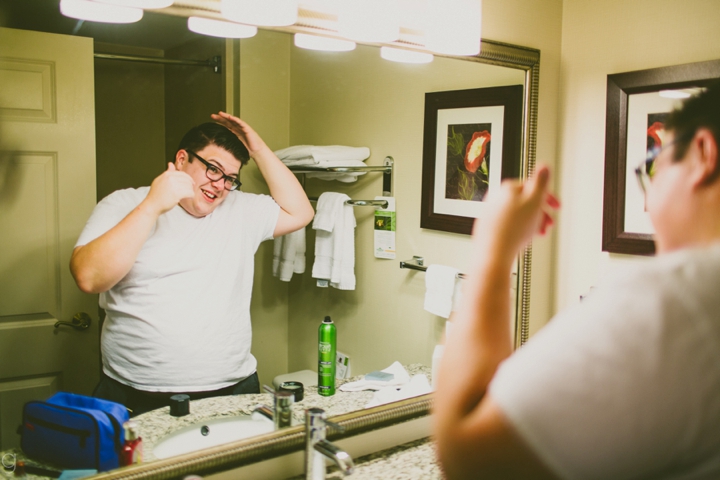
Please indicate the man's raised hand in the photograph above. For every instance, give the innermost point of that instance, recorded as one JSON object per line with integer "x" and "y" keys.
{"x": 169, "y": 188}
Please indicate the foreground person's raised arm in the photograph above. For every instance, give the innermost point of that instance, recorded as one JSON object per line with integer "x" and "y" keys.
{"x": 295, "y": 208}
{"x": 103, "y": 262}
{"x": 474, "y": 439}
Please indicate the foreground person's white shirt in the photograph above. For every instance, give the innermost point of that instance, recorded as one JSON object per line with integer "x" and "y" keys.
{"x": 627, "y": 383}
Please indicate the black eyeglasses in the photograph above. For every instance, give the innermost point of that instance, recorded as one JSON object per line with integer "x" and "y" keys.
{"x": 646, "y": 170}
{"x": 214, "y": 173}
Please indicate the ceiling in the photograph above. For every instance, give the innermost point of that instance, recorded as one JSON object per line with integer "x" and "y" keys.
{"x": 155, "y": 30}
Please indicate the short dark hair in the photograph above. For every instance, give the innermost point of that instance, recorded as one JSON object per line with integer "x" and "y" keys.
{"x": 211, "y": 133}
{"x": 699, "y": 111}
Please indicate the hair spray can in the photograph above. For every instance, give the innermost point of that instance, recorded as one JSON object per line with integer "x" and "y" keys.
{"x": 327, "y": 346}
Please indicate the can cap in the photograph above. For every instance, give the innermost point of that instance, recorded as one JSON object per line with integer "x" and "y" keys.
{"x": 131, "y": 430}
{"x": 327, "y": 319}
{"x": 179, "y": 405}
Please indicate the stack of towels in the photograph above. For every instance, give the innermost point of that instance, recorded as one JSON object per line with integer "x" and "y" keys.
{"x": 334, "y": 224}
{"x": 326, "y": 156}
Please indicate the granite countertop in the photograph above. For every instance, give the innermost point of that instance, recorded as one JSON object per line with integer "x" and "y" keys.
{"x": 156, "y": 424}
{"x": 415, "y": 460}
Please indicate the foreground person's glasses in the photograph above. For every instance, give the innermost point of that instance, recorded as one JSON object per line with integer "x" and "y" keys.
{"x": 214, "y": 173}
{"x": 646, "y": 170}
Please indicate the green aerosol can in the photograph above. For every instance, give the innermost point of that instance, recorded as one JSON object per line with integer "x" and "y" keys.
{"x": 327, "y": 346}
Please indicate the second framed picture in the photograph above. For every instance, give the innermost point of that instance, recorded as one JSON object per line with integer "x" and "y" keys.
{"x": 472, "y": 140}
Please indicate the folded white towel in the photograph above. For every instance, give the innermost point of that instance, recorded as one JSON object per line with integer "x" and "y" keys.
{"x": 289, "y": 255}
{"x": 318, "y": 154}
{"x": 335, "y": 241}
{"x": 440, "y": 284}
{"x": 418, "y": 385}
{"x": 400, "y": 378}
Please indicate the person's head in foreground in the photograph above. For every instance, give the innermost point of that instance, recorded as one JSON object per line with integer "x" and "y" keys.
{"x": 625, "y": 384}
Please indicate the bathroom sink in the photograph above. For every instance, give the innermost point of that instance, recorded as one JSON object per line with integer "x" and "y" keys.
{"x": 211, "y": 433}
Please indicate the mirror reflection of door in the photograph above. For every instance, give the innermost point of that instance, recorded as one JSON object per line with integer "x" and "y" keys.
{"x": 47, "y": 191}
{"x": 132, "y": 114}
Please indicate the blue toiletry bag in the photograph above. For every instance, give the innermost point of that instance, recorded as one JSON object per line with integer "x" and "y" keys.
{"x": 74, "y": 431}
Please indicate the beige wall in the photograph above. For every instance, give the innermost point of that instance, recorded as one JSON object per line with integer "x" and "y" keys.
{"x": 364, "y": 104}
{"x": 264, "y": 104}
{"x": 536, "y": 24}
{"x": 359, "y": 99}
{"x": 600, "y": 38}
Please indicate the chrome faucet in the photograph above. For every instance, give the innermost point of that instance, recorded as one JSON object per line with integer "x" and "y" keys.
{"x": 281, "y": 415}
{"x": 317, "y": 448}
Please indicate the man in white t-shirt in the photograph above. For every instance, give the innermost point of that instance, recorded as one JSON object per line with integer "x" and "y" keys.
{"x": 626, "y": 384}
{"x": 174, "y": 263}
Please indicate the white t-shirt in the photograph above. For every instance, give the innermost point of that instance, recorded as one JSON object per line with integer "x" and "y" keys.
{"x": 180, "y": 319}
{"x": 626, "y": 384}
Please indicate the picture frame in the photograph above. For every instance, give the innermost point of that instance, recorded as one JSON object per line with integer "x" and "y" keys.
{"x": 467, "y": 133}
{"x": 632, "y": 107}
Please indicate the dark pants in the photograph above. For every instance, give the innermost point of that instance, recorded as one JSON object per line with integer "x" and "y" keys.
{"x": 140, "y": 401}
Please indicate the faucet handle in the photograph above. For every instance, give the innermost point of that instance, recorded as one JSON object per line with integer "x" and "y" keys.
{"x": 334, "y": 425}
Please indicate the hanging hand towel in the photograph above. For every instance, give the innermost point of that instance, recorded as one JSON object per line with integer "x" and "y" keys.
{"x": 334, "y": 224}
{"x": 289, "y": 255}
{"x": 439, "y": 289}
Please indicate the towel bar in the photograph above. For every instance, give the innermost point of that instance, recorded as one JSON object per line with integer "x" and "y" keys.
{"x": 418, "y": 263}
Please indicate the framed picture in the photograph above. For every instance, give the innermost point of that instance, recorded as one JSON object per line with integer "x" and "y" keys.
{"x": 472, "y": 140}
{"x": 637, "y": 104}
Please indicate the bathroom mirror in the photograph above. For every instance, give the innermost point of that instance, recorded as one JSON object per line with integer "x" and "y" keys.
{"x": 356, "y": 98}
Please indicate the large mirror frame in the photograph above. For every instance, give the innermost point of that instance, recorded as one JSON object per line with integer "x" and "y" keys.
{"x": 289, "y": 440}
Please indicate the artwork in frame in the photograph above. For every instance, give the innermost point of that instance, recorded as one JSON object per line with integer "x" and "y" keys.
{"x": 472, "y": 140}
{"x": 637, "y": 104}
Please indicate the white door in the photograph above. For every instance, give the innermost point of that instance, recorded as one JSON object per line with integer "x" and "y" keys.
{"x": 47, "y": 191}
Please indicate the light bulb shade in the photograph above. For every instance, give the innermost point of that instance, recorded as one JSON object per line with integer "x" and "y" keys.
{"x": 313, "y": 42}
{"x": 139, "y": 3}
{"x": 453, "y": 26}
{"x": 375, "y": 21}
{"x": 405, "y": 56}
{"x": 219, "y": 28}
{"x": 269, "y": 13}
{"x": 99, "y": 12}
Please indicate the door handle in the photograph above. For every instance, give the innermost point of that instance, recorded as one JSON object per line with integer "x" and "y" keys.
{"x": 80, "y": 321}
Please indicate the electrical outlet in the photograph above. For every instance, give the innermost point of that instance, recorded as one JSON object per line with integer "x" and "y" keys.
{"x": 342, "y": 368}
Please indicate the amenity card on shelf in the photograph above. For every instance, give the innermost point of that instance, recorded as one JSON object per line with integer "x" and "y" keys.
{"x": 385, "y": 223}
{"x": 342, "y": 368}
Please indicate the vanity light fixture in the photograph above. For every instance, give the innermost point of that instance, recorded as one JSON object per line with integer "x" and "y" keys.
{"x": 220, "y": 28}
{"x": 150, "y": 4}
{"x": 674, "y": 94}
{"x": 369, "y": 20}
{"x": 453, "y": 26}
{"x": 267, "y": 13}
{"x": 326, "y": 44}
{"x": 405, "y": 56}
{"x": 99, "y": 12}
